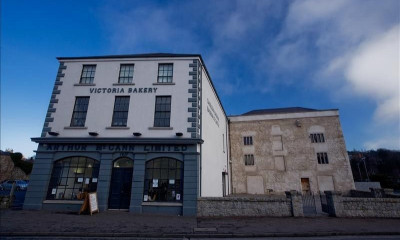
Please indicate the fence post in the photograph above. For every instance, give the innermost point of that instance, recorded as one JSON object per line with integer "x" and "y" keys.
{"x": 335, "y": 203}
{"x": 297, "y": 204}
{"x": 12, "y": 193}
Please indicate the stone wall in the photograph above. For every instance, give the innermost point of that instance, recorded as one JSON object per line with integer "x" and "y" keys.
{"x": 250, "y": 206}
{"x": 362, "y": 207}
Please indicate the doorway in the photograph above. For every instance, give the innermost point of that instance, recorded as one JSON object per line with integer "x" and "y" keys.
{"x": 305, "y": 186}
{"x": 121, "y": 184}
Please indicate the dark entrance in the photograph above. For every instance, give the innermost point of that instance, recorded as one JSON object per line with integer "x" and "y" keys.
{"x": 121, "y": 184}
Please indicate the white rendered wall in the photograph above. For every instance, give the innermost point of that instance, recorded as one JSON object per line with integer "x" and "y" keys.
{"x": 214, "y": 153}
{"x": 141, "y": 107}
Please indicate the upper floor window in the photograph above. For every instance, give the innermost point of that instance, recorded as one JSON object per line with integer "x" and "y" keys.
{"x": 322, "y": 158}
{"x": 249, "y": 159}
{"x": 248, "y": 140}
{"x": 317, "y": 137}
{"x": 121, "y": 108}
{"x": 80, "y": 110}
{"x": 163, "y": 111}
{"x": 88, "y": 72}
{"x": 165, "y": 72}
{"x": 126, "y": 73}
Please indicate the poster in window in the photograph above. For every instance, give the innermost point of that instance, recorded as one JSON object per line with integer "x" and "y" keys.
{"x": 94, "y": 179}
{"x": 178, "y": 197}
{"x": 53, "y": 191}
{"x": 87, "y": 180}
{"x": 80, "y": 179}
{"x": 172, "y": 181}
{"x": 173, "y": 194}
{"x": 155, "y": 182}
{"x": 146, "y": 198}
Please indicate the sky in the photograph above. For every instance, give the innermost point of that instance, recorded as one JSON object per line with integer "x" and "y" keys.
{"x": 322, "y": 54}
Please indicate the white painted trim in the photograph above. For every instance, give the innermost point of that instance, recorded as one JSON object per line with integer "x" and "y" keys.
{"x": 273, "y": 116}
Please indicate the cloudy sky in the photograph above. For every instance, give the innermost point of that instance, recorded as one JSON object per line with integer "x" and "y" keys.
{"x": 319, "y": 54}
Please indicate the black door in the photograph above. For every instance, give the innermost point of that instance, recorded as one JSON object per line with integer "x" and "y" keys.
{"x": 120, "y": 188}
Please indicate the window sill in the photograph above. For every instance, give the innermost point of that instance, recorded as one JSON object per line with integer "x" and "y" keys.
{"x": 117, "y": 127}
{"x": 171, "y": 83}
{"x": 161, "y": 128}
{"x": 163, "y": 204}
{"x": 82, "y": 84}
{"x": 64, "y": 201}
{"x": 123, "y": 84}
{"x": 75, "y": 127}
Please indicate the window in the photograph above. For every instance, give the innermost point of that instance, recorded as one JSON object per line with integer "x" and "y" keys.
{"x": 80, "y": 111}
{"x": 249, "y": 159}
{"x": 120, "y": 115}
{"x": 165, "y": 73}
{"x": 248, "y": 140}
{"x": 317, "y": 137}
{"x": 163, "y": 111}
{"x": 322, "y": 158}
{"x": 87, "y": 76}
{"x": 71, "y": 177}
{"x": 126, "y": 73}
{"x": 163, "y": 180}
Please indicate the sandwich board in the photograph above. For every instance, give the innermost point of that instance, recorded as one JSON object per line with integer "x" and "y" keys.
{"x": 90, "y": 203}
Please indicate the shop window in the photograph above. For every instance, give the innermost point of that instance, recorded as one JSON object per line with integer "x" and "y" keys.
{"x": 163, "y": 180}
{"x": 73, "y": 176}
{"x": 126, "y": 73}
{"x": 88, "y": 72}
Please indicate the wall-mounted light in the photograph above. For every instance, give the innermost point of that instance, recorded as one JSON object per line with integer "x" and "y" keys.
{"x": 179, "y": 134}
{"x": 137, "y": 134}
{"x": 93, "y": 134}
{"x": 53, "y": 133}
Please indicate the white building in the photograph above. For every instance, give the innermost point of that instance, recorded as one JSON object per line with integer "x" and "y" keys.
{"x": 147, "y": 132}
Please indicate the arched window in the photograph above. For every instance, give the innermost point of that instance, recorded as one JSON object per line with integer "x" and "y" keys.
{"x": 163, "y": 180}
{"x": 123, "y": 163}
{"x": 73, "y": 176}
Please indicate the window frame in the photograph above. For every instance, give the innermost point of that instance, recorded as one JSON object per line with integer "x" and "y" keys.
{"x": 64, "y": 170}
{"x": 83, "y": 79}
{"x": 77, "y": 112}
{"x": 249, "y": 160}
{"x": 248, "y": 140}
{"x": 168, "y": 77}
{"x": 159, "y": 112}
{"x": 119, "y": 111}
{"x": 163, "y": 178}
{"x": 129, "y": 78}
{"x": 322, "y": 158}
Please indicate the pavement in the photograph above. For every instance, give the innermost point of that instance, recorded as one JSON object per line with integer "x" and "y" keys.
{"x": 125, "y": 224}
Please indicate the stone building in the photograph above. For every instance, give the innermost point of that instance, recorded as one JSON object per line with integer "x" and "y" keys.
{"x": 277, "y": 150}
{"x": 147, "y": 132}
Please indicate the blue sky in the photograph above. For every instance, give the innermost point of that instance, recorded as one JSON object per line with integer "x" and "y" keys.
{"x": 319, "y": 54}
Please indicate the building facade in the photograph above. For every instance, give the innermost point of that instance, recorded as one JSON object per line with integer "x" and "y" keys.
{"x": 278, "y": 150}
{"x": 147, "y": 132}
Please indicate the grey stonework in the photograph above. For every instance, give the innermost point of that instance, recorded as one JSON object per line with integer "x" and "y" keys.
{"x": 251, "y": 206}
{"x": 194, "y": 89}
{"x": 53, "y": 99}
{"x": 341, "y": 206}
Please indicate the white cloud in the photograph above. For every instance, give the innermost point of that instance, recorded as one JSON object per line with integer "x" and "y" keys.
{"x": 373, "y": 71}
